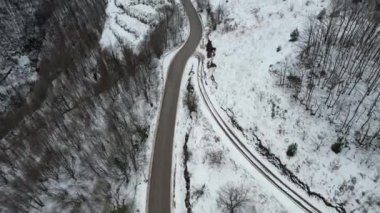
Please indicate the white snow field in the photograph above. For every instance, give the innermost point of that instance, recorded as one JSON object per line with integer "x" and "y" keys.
{"x": 246, "y": 46}
{"x": 207, "y": 176}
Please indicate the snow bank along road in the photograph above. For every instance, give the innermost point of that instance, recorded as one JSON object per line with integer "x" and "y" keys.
{"x": 160, "y": 176}
{"x": 260, "y": 167}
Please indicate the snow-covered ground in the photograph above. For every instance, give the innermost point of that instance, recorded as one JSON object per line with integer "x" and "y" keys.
{"x": 246, "y": 46}
{"x": 129, "y": 21}
{"x": 207, "y": 175}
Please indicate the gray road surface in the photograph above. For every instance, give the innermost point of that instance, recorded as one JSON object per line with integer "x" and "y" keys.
{"x": 160, "y": 180}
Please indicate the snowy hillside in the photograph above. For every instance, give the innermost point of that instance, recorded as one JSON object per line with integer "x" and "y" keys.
{"x": 80, "y": 141}
{"x": 213, "y": 163}
{"x": 252, "y": 40}
{"x": 129, "y": 22}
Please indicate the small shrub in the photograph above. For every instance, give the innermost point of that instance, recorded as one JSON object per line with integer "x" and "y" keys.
{"x": 294, "y": 35}
{"x": 321, "y": 15}
{"x": 191, "y": 100}
{"x": 278, "y": 49}
{"x": 122, "y": 209}
{"x": 337, "y": 147}
{"x": 210, "y": 64}
{"x": 210, "y": 49}
{"x": 294, "y": 80}
{"x": 199, "y": 192}
{"x": 215, "y": 157}
{"x": 142, "y": 132}
{"x": 292, "y": 150}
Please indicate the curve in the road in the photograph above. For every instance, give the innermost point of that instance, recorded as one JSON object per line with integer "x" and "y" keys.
{"x": 159, "y": 200}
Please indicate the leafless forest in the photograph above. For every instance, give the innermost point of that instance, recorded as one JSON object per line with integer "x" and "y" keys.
{"x": 76, "y": 139}
{"x": 338, "y": 75}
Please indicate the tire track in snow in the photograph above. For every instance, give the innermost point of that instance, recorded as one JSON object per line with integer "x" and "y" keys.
{"x": 252, "y": 159}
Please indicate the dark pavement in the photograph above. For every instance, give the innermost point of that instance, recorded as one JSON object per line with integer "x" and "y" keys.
{"x": 160, "y": 180}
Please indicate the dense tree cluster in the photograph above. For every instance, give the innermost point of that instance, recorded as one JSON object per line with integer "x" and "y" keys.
{"x": 77, "y": 141}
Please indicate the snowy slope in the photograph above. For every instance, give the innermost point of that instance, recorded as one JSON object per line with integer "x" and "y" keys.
{"x": 69, "y": 151}
{"x": 129, "y": 21}
{"x": 246, "y": 45}
{"x": 207, "y": 175}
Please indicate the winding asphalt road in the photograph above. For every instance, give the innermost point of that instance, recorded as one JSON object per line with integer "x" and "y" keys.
{"x": 160, "y": 176}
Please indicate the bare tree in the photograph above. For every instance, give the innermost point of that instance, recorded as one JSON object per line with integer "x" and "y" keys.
{"x": 231, "y": 198}
{"x": 339, "y": 70}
